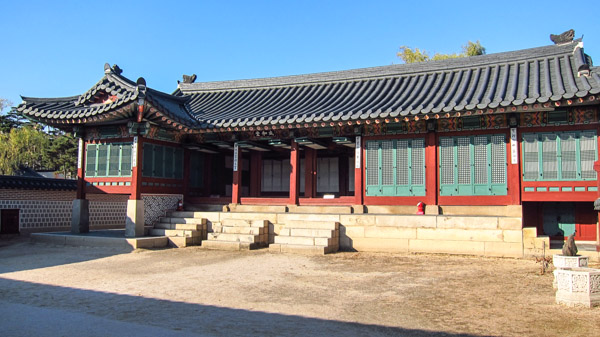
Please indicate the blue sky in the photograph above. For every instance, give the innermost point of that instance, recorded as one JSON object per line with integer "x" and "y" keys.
{"x": 55, "y": 49}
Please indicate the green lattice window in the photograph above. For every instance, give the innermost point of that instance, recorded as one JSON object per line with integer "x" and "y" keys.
{"x": 108, "y": 160}
{"x": 395, "y": 167}
{"x": 162, "y": 161}
{"x": 473, "y": 165}
{"x": 559, "y": 156}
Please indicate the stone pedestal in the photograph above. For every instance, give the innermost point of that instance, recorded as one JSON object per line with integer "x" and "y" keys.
{"x": 80, "y": 218}
{"x": 134, "y": 224}
{"x": 567, "y": 262}
{"x": 578, "y": 287}
{"x": 562, "y": 261}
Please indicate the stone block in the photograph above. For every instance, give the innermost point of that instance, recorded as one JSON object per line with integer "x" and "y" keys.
{"x": 432, "y": 209}
{"x": 288, "y": 217}
{"x": 411, "y": 221}
{"x": 357, "y": 220}
{"x": 352, "y": 232}
{"x": 529, "y": 232}
{"x": 80, "y": 218}
{"x": 326, "y": 242}
{"x": 134, "y": 223}
{"x": 358, "y": 209}
{"x": 512, "y": 223}
{"x": 392, "y": 209}
{"x": 474, "y": 210}
{"x": 467, "y": 222}
{"x": 313, "y": 224}
{"x": 449, "y": 247}
{"x": 390, "y": 232}
{"x": 271, "y": 217}
{"x": 292, "y": 240}
{"x": 578, "y": 287}
{"x": 306, "y": 250}
{"x": 513, "y": 211}
{"x": 441, "y": 234}
{"x": 320, "y": 209}
{"x": 376, "y": 245}
{"x": 512, "y": 236}
{"x": 564, "y": 262}
{"x": 317, "y": 233}
{"x": 503, "y": 249}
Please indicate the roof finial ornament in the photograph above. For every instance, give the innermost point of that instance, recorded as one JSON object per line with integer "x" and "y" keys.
{"x": 565, "y": 37}
{"x": 188, "y": 79}
{"x": 114, "y": 69}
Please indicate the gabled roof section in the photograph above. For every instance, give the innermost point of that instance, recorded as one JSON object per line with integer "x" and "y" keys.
{"x": 537, "y": 75}
{"x": 113, "y": 98}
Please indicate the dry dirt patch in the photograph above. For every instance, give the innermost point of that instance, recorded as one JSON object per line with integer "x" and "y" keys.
{"x": 245, "y": 293}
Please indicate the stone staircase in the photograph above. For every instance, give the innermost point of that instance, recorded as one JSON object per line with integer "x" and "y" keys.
{"x": 534, "y": 245}
{"x": 238, "y": 234}
{"x": 181, "y": 228}
{"x": 307, "y": 237}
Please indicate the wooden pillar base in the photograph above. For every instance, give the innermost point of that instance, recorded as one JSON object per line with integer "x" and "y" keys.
{"x": 80, "y": 218}
{"x": 134, "y": 224}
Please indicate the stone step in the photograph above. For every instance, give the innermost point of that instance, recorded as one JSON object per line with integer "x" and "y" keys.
{"x": 258, "y": 208}
{"x": 203, "y": 208}
{"x": 305, "y": 241}
{"x": 242, "y": 230}
{"x": 320, "y": 209}
{"x": 180, "y": 242}
{"x": 244, "y": 223}
{"x": 316, "y": 233}
{"x": 180, "y": 226}
{"x": 301, "y": 249}
{"x": 297, "y": 224}
{"x": 247, "y": 238}
{"x": 183, "y": 220}
{"x": 228, "y": 245}
{"x": 174, "y": 232}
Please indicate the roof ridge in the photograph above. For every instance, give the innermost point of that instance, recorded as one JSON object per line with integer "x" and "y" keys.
{"x": 381, "y": 71}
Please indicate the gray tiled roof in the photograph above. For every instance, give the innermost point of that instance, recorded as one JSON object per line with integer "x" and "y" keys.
{"x": 536, "y": 75}
{"x": 33, "y": 183}
{"x": 78, "y": 108}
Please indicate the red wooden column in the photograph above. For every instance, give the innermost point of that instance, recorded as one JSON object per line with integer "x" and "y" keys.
{"x": 81, "y": 162}
{"x": 310, "y": 172}
{"x": 294, "y": 174}
{"x": 431, "y": 173}
{"x": 255, "y": 173}
{"x": 358, "y": 171}
{"x": 237, "y": 175}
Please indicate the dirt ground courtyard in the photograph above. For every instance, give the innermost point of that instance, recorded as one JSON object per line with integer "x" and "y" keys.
{"x": 50, "y": 290}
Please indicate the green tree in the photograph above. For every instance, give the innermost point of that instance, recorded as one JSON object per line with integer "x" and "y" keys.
{"x": 61, "y": 154}
{"x": 408, "y": 55}
{"x": 23, "y": 146}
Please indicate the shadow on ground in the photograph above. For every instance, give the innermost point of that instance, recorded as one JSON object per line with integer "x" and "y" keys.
{"x": 115, "y": 310}
{"x": 17, "y": 254}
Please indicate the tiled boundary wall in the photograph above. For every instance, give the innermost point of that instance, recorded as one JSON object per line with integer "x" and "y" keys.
{"x": 50, "y": 210}
{"x": 486, "y": 235}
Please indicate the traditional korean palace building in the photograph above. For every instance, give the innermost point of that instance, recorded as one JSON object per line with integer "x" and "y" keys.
{"x": 500, "y": 150}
